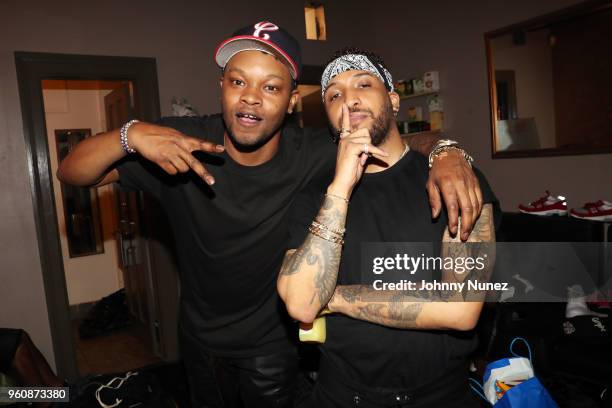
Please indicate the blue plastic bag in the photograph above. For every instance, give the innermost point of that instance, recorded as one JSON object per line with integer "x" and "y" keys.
{"x": 529, "y": 393}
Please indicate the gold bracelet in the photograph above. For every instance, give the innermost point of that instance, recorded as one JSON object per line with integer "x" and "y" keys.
{"x": 437, "y": 151}
{"x": 346, "y": 200}
{"x": 339, "y": 231}
{"x": 326, "y": 235}
{"x": 325, "y": 229}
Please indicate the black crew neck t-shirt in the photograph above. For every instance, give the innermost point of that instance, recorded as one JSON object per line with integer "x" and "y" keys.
{"x": 387, "y": 206}
{"x": 231, "y": 237}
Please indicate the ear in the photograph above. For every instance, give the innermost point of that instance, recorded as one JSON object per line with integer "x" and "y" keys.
{"x": 293, "y": 100}
{"x": 395, "y": 102}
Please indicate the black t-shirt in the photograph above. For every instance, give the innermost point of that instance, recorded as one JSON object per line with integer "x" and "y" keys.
{"x": 231, "y": 237}
{"x": 388, "y": 206}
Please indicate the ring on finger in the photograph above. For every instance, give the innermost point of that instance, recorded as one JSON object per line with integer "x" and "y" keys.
{"x": 366, "y": 148}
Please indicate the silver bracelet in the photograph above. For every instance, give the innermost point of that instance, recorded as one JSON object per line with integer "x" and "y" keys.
{"x": 124, "y": 136}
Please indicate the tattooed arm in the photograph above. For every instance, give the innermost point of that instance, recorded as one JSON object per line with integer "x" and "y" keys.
{"x": 422, "y": 309}
{"x": 308, "y": 275}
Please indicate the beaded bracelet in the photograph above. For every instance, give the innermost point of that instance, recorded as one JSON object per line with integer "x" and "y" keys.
{"x": 123, "y": 133}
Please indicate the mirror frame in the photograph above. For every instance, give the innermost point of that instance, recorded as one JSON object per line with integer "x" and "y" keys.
{"x": 584, "y": 8}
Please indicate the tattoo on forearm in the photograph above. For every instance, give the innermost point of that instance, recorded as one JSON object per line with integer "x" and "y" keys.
{"x": 319, "y": 255}
{"x": 326, "y": 273}
{"x": 402, "y": 309}
{"x": 481, "y": 243}
{"x": 399, "y": 310}
{"x": 393, "y": 309}
{"x": 292, "y": 265}
{"x": 350, "y": 294}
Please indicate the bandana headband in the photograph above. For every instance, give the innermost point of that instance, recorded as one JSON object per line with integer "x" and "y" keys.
{"x": 358, "y": 62}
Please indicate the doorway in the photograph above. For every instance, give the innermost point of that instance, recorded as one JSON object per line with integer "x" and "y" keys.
{"x": 99, "y": 231}
{"x": 126, "y": 254}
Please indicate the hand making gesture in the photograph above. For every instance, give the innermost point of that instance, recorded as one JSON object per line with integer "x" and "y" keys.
{"x": 354, "y": 148}
{"x": 171, "y": 150}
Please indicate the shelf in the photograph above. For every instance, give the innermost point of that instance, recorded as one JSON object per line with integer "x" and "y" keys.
{"x": 417, "y": 95}
{"x": 419, "y": 133}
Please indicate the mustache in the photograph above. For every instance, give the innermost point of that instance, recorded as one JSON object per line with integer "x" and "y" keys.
{"x": 354, "y": 110}
{"x": 357, "y": 110}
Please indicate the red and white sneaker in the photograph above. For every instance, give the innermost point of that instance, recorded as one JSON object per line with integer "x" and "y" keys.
{"x": 547, "y": 205}
{"x": 598, "y": 211}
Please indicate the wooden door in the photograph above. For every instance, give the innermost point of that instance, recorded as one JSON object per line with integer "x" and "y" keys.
{"x": 132, "y": 261}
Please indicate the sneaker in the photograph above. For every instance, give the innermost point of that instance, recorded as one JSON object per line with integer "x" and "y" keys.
{"x": 576, "y": 304}
{"x": 547, "y": 205}
{"x": 598, "y": 211}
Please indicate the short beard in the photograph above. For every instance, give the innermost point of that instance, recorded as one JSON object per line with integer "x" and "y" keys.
{"x": 379, "y": 131}
{"x": 380, "y": 128}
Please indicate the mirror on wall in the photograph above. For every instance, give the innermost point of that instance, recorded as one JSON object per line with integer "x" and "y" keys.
{"x": 550, "y": 83}
{"x": 81, "y": 208}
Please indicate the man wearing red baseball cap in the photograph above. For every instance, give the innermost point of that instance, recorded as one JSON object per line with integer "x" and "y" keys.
{"x": 233, "y": 180}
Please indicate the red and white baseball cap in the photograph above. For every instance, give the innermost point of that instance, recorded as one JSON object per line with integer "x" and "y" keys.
{"x": 263, "y": 36}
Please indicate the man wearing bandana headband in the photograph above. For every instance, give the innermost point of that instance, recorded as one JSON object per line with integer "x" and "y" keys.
{"x": 369, "y": 66}
{"x": 384, "y": 347}
{"x": 226, "y": 182}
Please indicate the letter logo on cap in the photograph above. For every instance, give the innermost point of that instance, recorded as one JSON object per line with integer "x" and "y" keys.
{"x": 264, "y": 26}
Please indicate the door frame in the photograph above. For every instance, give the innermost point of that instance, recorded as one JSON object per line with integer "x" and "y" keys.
{"x": 32, "y": 67}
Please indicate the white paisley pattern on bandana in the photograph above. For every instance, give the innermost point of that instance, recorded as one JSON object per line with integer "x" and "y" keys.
{"x": 357, "y": 62}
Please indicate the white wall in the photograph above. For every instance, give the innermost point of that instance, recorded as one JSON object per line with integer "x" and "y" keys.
{"x": 88, "y": 278}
